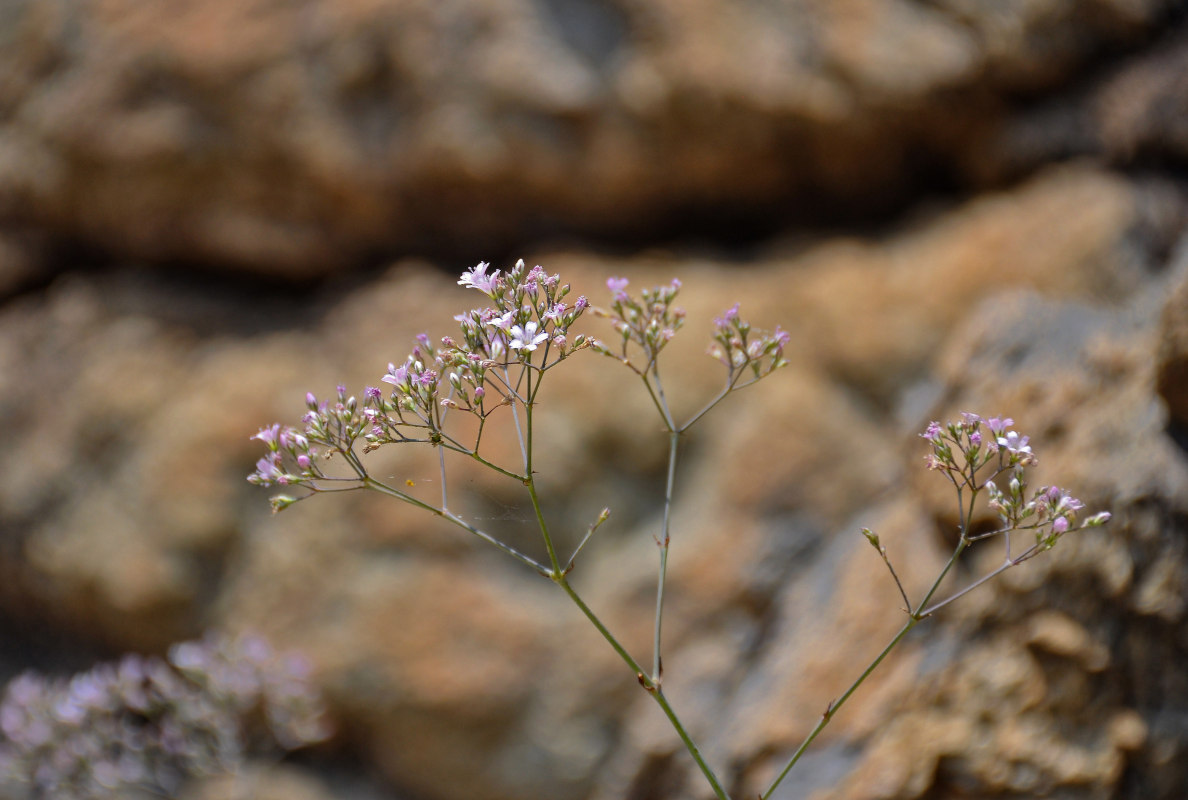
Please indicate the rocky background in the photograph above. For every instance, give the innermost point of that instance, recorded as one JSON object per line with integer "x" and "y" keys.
{"x": 207, "y": 209}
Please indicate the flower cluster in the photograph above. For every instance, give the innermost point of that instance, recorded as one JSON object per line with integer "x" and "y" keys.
{"x": 741, "y": 348}
{"x": 150, "y": 723}
{"x": 525, "y": 327}
{"x": 649, "y": 322}
{"x": 978, "y": 441}
{"x": 496, "y": 360}
{"x": 961, "y": 449}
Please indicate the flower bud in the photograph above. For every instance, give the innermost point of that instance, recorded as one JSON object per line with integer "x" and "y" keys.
{"x": 280, "y": 502}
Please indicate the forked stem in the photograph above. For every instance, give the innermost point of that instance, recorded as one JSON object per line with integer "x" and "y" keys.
{"x": 649, "y": 685}
{"x": 833, "y": 706}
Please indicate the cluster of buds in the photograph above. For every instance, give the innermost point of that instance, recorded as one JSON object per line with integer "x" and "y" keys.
{"x": 961, "y": 450}
{"x": 293, "y": 457}
{"x": 978, "y": 442}
{"x": 529, "y": 317}
{"x": 1050, "y": 511}
{"x": 649, "y": 322}
{"x": 742, "y": 348}
{"x": 152, "y": 724}
{"x": 523, "y": 331}
{"x": 527, "y": 325}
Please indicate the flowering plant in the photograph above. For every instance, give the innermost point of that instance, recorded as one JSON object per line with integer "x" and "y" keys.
{"x": 492, "y": 370}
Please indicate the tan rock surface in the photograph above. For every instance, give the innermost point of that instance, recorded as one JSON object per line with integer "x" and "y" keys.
{"x": 296, "y": 139}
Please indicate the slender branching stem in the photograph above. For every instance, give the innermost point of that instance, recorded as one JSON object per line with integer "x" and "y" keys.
{"x": 519, "y": 431}
{"x": 319, "y": 490}
{"x": 589, "y": 532}
{"x": 833, "y": 707}
{"x": 651, "y": 686}
{"x": 915, "y": 616}
{"x": 490, "y": 465}
{"x": 731, "y": 385}
{"x": 966, "y": 513}
{"x": 656, "y": 401}
{"x": 719, "y": 791}
{"x": 907, "y": 604}
{"x": 664, "y": 410}
{"x": 531, "y": 484}
{"x": 663, "y": 541}
{"x": 1001, "y": 568}
{"x": 383, "y": 488}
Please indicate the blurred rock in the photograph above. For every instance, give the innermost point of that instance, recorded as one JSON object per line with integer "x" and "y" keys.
{"x": 259, "y": 782}
{"x": 1171, "y": 373}
{"x": 1130, "y": 112}
{"x": 1055, "y": 684}
{"x": 294, "y": 139}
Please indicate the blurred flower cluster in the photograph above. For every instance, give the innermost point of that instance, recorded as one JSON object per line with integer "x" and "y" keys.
{"x": 150, "y": 723}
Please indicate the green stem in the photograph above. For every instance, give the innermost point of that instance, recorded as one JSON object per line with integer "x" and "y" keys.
{"x": 652, "y": 687}
{"x": 837, "y": 704}
{"x": 466, "y": 451}
{"x": 383, "y": 488}
{"x": 962, "y": 543}
{"x": 531, "y": 484}
{"x": 921, "y": 612}
{"x": 730, "y": 386}
{"x": 657, "y": 663}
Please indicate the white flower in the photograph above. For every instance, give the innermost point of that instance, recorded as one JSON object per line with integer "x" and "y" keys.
{"x": 526, "y": 338}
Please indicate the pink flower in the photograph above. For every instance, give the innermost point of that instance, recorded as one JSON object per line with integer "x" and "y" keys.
{"x": 478, "y": 278}
{"x": 618, "y": 287}
{"x": 729, "y": 316}
{"x": 269, "y": 435}
{"x": 397, "y": 376}
{"x": 268, "y": 471}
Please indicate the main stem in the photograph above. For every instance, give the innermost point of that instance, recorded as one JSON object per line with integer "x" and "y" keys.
{"x": 530, "y": 480}
{"x": 657, "y": 662}
{"x": 651, "y": 686}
